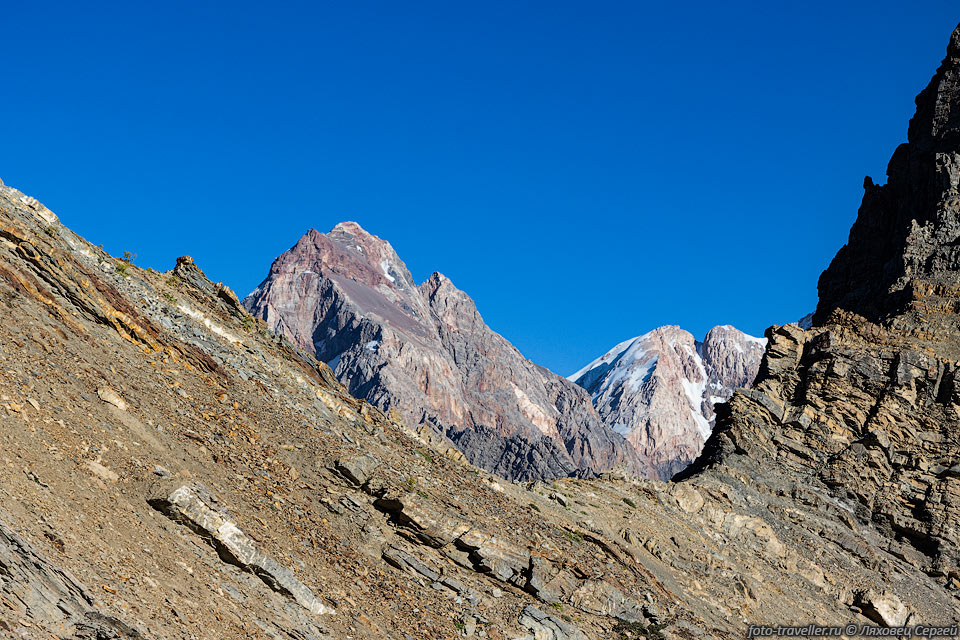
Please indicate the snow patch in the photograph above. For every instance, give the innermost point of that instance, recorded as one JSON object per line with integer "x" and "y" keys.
{"x": 760, "y": 341}
{"x": 372, "y": 345}
{"x": 386, "y": 270}
{"x": 695, "y": 392}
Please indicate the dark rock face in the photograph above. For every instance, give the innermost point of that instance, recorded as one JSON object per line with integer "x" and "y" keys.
{"x": 904, "y": 244}
{"x": 866, "y": 403}
{"x": 425, "y": 352}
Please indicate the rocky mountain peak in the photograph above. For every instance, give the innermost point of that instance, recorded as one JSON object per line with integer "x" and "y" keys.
{"x": 659, "y": 389}
{"x": 938, "y": 106}
{"x": 902, "y": 257}
{"x": 425, "y": 352}
{"x": 864, "y": 404}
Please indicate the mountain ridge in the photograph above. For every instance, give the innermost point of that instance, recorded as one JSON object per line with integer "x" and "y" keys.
{"x": 425, "y": 351}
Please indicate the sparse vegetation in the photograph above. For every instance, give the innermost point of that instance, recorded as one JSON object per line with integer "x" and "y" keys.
{"x": 573, "y": 537}
{"x": 174, "y": 281}
{"x": 248, "y": 324}
{"x": 636, "y": 630}
{"x": 426, "y": 456}
{"x": 534, "y": 507}
{"x": 630, "y": 503}
{"x": 556, "y": 605}
{"x": 169, "y": 298}
{"x": 122, "y": 268}
{"x": 129, "y": 257}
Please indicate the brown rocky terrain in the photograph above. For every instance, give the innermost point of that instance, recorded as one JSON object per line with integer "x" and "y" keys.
{"x": 171, "y": 469}
{"x": 659, "y": 389}
{"x": 425, "y": 353}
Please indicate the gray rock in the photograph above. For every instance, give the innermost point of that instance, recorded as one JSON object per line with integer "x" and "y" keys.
{"x": 884, "y": 608}
{"x": 403, "y": 560}
{"x": 359, "y": 470}
{"x": 547, "y": 627}
{"x": 50, "y": 595}
{"x": 187, "y": 505}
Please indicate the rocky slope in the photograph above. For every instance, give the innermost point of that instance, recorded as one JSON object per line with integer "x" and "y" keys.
{"x": 425, "y": 353}
{"x": 170, "y": 469}
{"x": 659, "y": 389}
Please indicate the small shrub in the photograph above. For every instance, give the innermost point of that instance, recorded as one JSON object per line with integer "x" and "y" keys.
{"x": 122, "y": 268}
{"x": 534, "y": 507}
{"x": 129, "y": 257}
{"x": 426, "y": 456}
{"x": 573, "y": 537}
{"x": 630, "y": 503}
{"x": 169, "y": 298}
{"x": 556, "y": 605}
{"x": 628, "y": 630}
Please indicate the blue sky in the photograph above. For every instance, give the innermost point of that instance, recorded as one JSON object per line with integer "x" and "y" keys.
{"x": 585, "y": 170}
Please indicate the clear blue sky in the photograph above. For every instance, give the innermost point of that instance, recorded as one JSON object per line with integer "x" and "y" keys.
{"x": 585, "y": 170}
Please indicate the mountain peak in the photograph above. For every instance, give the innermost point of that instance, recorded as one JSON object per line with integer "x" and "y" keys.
{"x": 900, "y": 258}
{"x": 349, "y": 226}
{"x": 937, "y": 118}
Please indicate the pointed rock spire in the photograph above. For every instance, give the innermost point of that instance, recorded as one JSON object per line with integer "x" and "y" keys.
{"x": 903, "y": 254}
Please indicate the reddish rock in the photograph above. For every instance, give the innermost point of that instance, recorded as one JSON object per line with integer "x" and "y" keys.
{"x": 426, "y": 352}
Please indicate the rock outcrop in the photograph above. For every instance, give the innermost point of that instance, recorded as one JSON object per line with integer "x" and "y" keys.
{"x": 659, "y": 389}
{"x": 902, "y": 254}
{"x": 31, "y": 587}
{"x": 425, "y": 352}
{"x": 865, "y": 403}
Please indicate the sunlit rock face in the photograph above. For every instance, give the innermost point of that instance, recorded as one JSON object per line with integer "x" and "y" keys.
{"x": 658, "y": 390}
{"x": 425, "y": 351}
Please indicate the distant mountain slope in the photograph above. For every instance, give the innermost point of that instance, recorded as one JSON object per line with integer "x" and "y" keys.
{"x": 658, "y": 390}
{"x": 424, "y": 351}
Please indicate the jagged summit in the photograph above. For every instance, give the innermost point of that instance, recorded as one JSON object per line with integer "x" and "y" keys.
{"x": 902, "y": 254}
{"x": 425, "y": 352}
{"x": 864, "y": 404}
{"x": 659, "y": 389}
{"x": 938, "y": 106}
